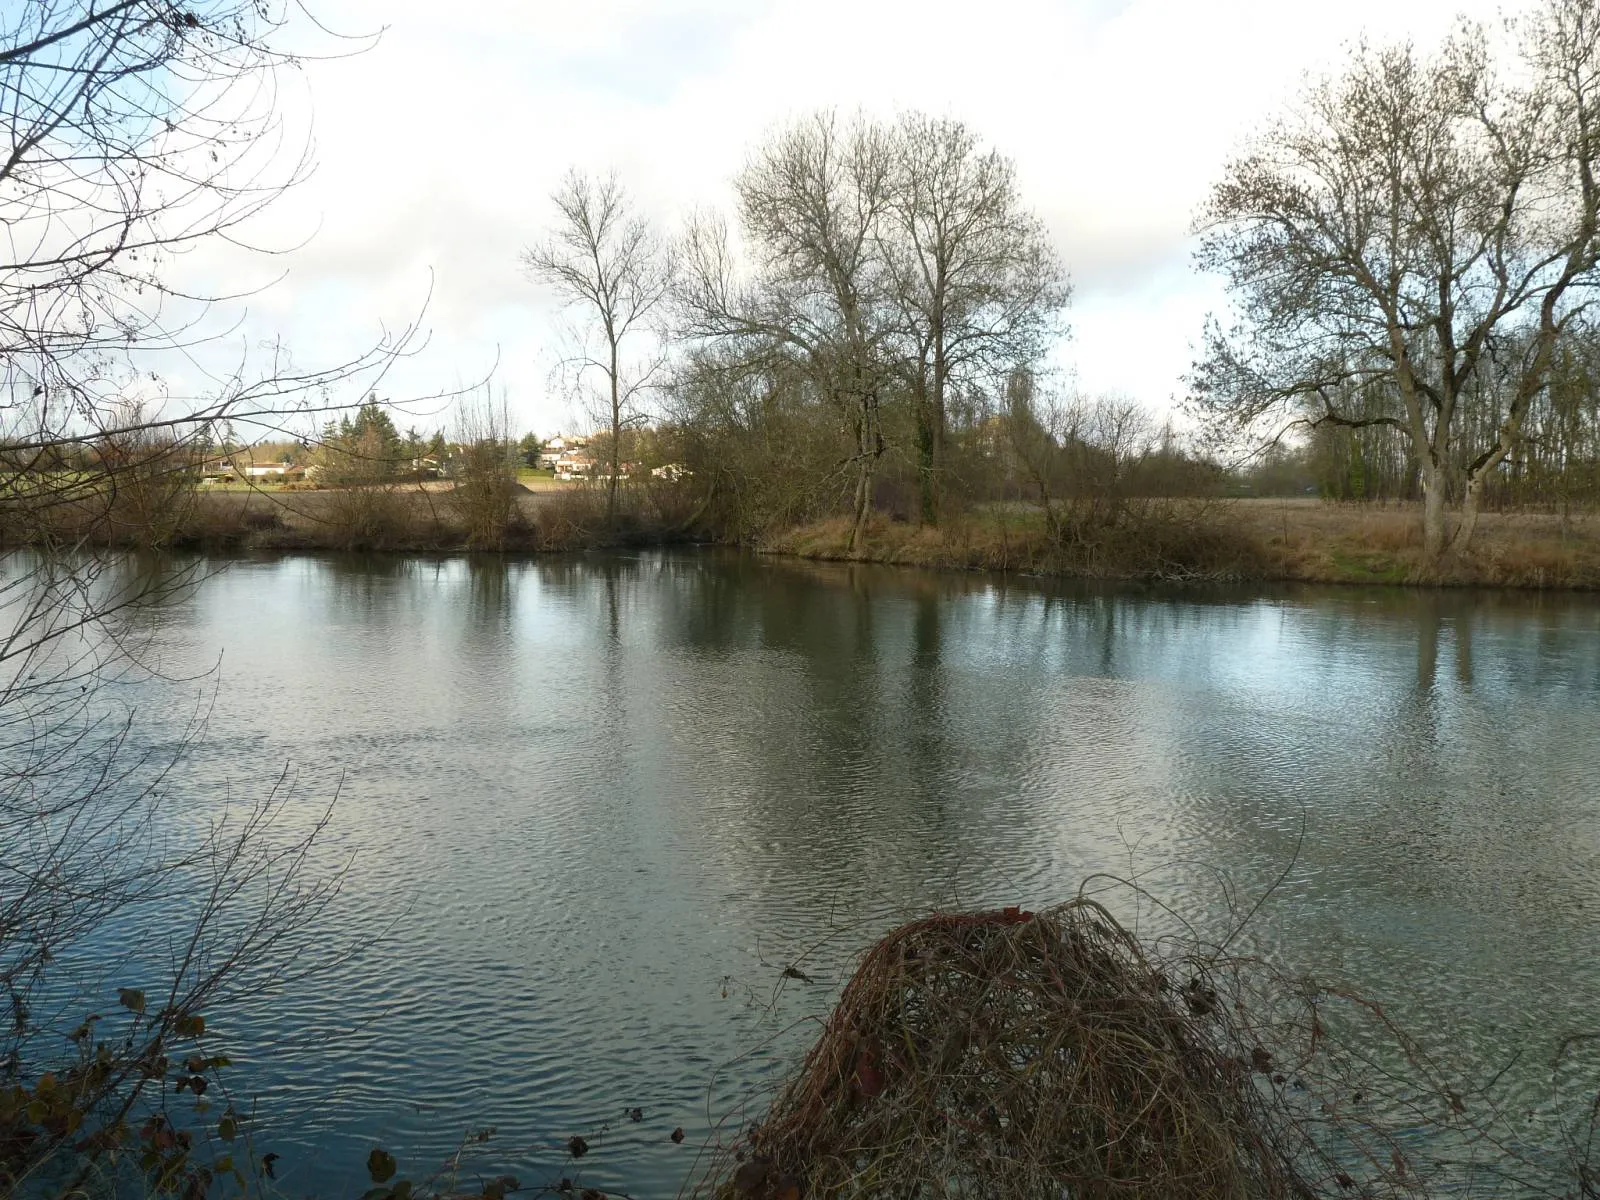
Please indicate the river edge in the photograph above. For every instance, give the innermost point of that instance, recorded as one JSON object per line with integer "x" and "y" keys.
{"x": 1202, "y": 542}
{"x": 1235, "y": 542}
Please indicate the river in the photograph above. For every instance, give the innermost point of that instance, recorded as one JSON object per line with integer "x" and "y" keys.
{"x": 596, "y": 803}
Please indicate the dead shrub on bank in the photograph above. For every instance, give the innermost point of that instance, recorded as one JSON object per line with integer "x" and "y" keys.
{"x": 484, "y": 498}
{"x": 374, "y": 517}
{"x": 576, "y": 518}
{"x": 1008, "y": 1054}
{"x": 133, "y": 486}
{"x": 1117, "y": 496}
{"x": 1148, "y": 537}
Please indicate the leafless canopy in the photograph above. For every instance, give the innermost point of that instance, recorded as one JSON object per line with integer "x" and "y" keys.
{"x": 1409, "y": 217}
{"x": 978, "y": 284}
{"x": 882, "y": 266}
{"x": 133, "y": 131}
{"x": 604, "y": 258}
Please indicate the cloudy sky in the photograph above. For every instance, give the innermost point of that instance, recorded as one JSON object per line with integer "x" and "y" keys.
{"x": 437, "y": 150}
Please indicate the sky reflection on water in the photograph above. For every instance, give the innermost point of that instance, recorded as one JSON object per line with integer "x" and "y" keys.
{"x": 595, "y": 803}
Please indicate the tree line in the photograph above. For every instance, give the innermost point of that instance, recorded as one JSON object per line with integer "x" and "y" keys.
{"x": 1410, "y": 253}
{"x": 888, "y": 278}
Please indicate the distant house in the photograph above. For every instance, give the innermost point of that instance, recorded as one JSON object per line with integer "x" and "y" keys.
{"x": 563, "y": 449}
{"x": 574, "y": 464}
{"x": 672, "y": 472}
{"x": 280, "y": 470}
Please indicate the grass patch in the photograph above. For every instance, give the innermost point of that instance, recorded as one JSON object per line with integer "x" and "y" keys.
{"x": 1367, "y": 566}
{"x": 1308, "y": 541}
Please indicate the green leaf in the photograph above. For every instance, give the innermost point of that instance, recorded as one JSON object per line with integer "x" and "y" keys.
{"x": 380, "y": 1165}
{"x": 227, "y": 1130}
{"x": 131, "y": 998}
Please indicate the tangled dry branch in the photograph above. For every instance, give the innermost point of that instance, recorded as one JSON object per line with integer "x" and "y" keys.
{"x": 1012, "y": 1054}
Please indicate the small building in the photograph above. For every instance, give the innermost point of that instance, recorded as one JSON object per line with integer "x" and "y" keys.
{"x": 574, "y": 464}
{"x": 285, "y": 472}
{"x": 562, "y": 446}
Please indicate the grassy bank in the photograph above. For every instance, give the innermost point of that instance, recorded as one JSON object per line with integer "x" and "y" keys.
{"x": 1308, "y": 541}
{"x": 411, "y": 518}
{"x": 1301, "y": 540}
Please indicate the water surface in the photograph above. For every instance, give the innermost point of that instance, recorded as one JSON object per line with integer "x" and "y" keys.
{"x": 596, "y": 803}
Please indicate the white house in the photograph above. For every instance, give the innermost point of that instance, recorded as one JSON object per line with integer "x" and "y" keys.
{"x": 574, "y": 464}
{"x": 264, "y": 470}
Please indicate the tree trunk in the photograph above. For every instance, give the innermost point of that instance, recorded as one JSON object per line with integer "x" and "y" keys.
{"x": 1433, "y": 514}
{"x": 926, "y": 440}
{"x": 941, "y": 375}
{"x": 616, "y": 443}
{"x": 863, "y": 505}
{"x": 1471, "y": 502}
{"x": 871, "y": 446}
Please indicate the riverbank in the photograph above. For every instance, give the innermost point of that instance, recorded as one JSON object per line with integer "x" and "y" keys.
{"x": 412, "y": 518}
{"x": 1298, "y": 540}
{"x": 1237, "y": 540}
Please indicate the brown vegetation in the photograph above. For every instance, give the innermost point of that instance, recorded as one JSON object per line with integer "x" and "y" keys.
{"x": 408, "y": 518}
{"x": 1016, "y": 1054}
{"x": 1319, "y": 542}
{"x": 1156, "y": 539}
{"x": 1133, "y": 539}
{"x": 1310, "y": 541}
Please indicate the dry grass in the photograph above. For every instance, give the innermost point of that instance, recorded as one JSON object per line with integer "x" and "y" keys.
{"x": 1165, "y": 540}
{"x": 409, "y": 517}
{"x": 1299, "y": 540}
{"x": 1309, "y": 541}
{"x": 1006, "y": 545}
{"x": 1319, "y": 542}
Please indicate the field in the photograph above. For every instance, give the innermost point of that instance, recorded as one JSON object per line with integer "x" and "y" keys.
{"x": 1305, "y": 540}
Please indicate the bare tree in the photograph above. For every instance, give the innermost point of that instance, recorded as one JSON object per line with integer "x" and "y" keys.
{"x": 605, "y": 258}
{"x": 1407, "y": 215}
{"x": 811, "y": 201}
{"x": 975, "y": 278}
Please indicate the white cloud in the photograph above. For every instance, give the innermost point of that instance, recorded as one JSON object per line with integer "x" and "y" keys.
{"x": 437, "y": 149}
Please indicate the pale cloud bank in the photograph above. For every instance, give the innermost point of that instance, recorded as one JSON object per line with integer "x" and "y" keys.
{"x": 438, "y": 148}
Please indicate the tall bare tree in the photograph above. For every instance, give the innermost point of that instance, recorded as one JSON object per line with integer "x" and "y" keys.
{"x": 1405, "y": 217}
{"x": 606, "y": 259}
{"x": 811, "y": 203}
{"x": 974, "y": 275}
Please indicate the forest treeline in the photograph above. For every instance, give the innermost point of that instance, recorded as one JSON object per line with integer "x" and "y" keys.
{"x": 1410, "y": 254}
{"x": 872, "y": 334}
